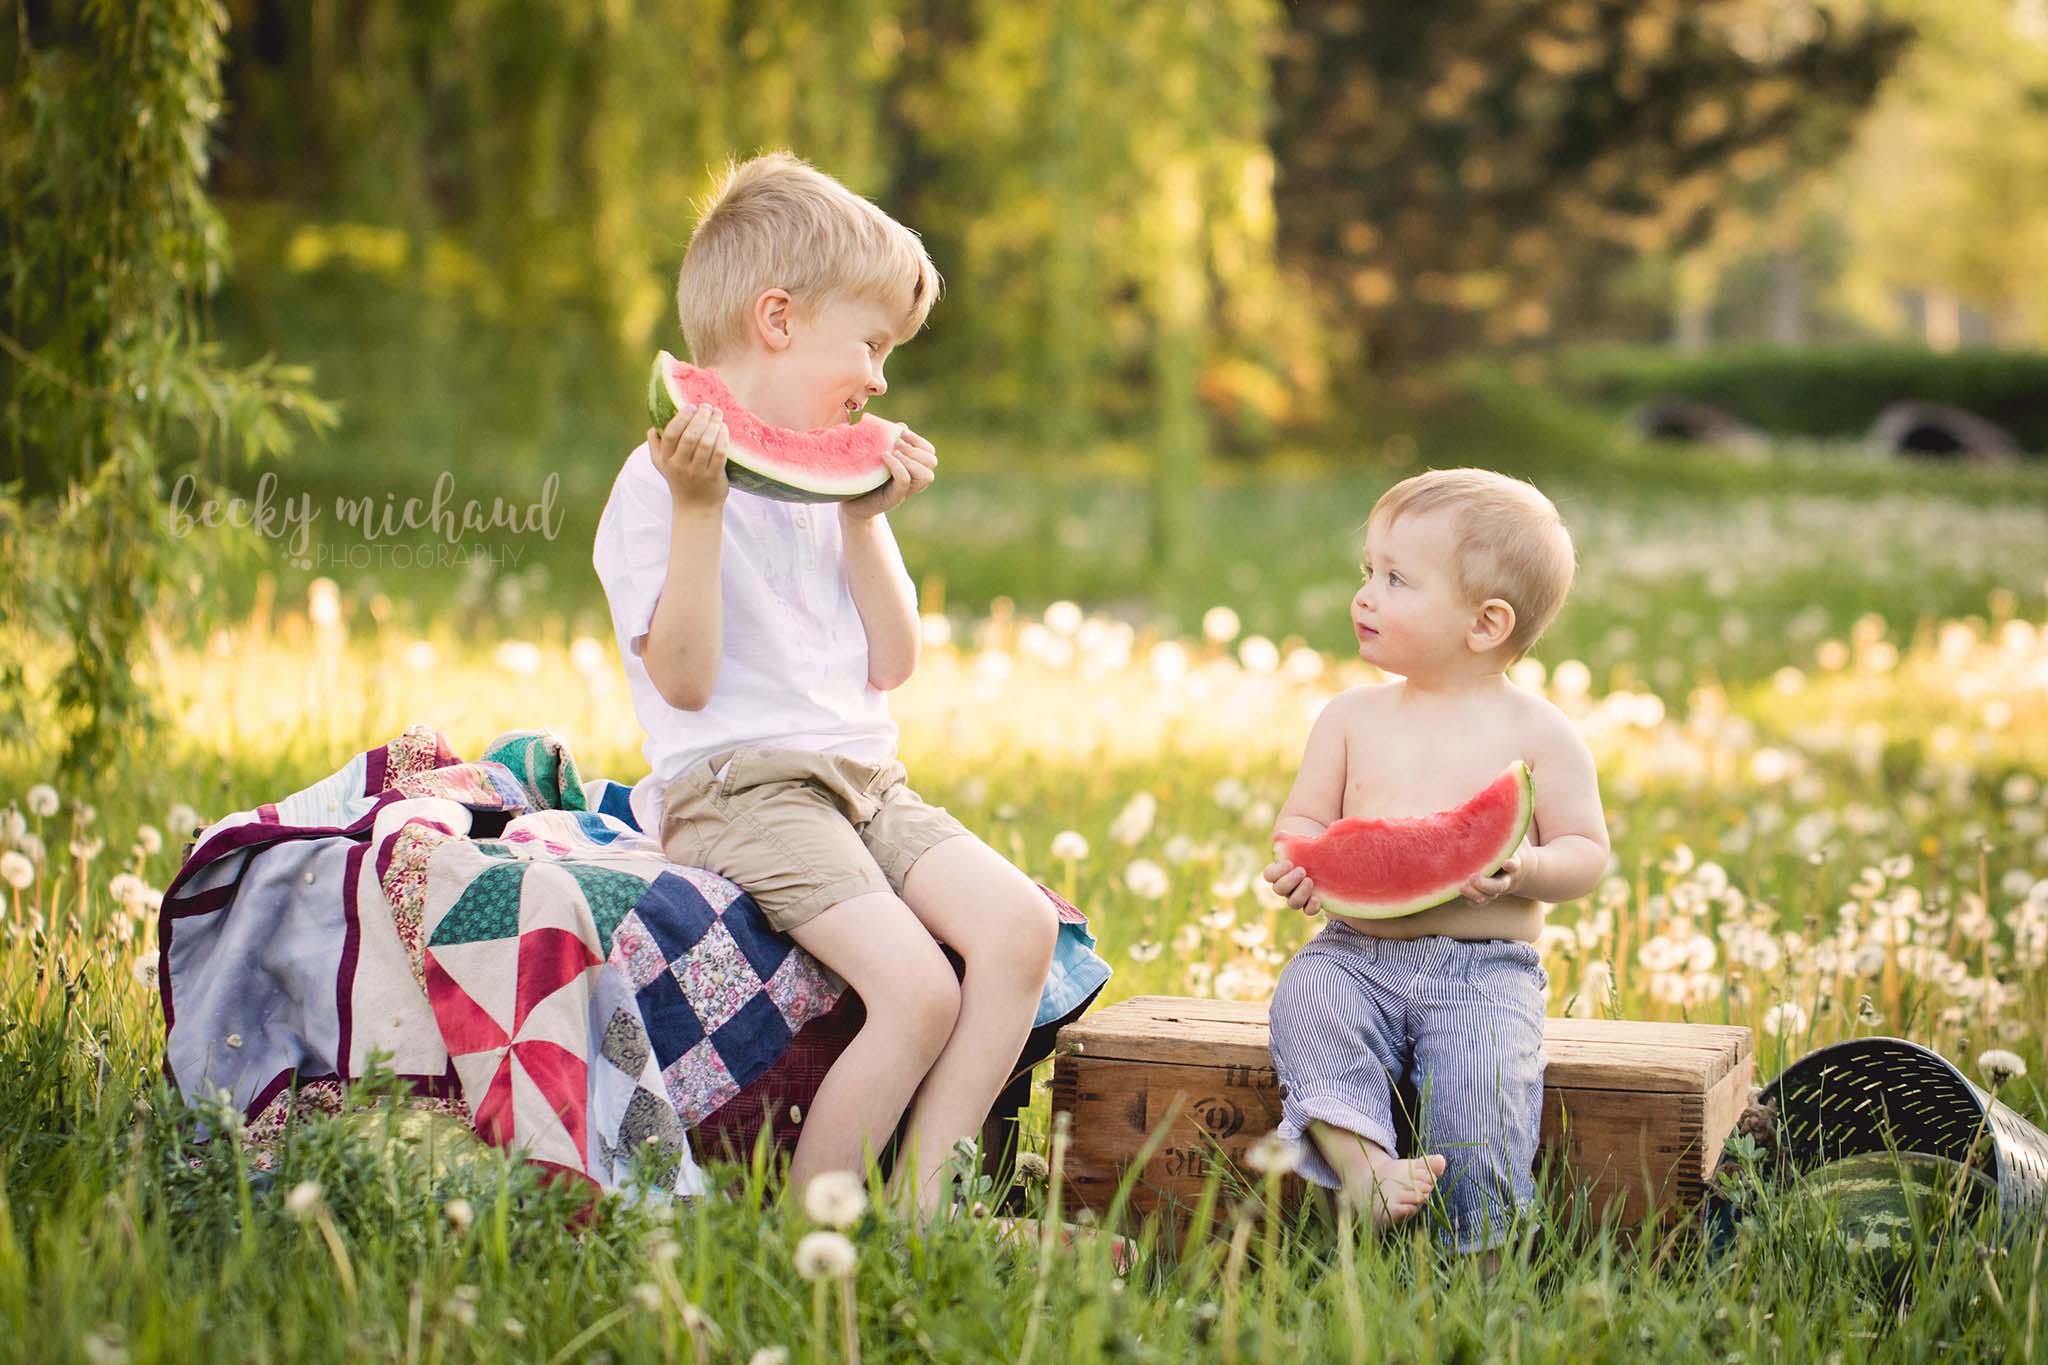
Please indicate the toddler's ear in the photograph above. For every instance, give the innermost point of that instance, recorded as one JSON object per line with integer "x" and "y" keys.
{"x": 1491, "y": 627}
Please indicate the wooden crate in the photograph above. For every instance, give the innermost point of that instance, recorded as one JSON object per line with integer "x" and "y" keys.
{"x": 1636, "y": 1111}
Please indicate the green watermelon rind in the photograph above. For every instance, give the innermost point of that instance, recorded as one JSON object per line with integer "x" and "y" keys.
{"x": 1345, "y": 908}
{"x": 663, "y": 403}
{"x": 1876, "y": 1197}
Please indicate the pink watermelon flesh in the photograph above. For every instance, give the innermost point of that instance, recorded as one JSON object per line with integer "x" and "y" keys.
{"x": 830, "y": 464}
{"x": 1381, "y": 869}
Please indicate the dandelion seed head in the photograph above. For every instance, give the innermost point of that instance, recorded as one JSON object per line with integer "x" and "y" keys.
{"x": 1147, "y": 879}
{"x": 835, "y": 1199}
{"x": 1274, "y": 1155}
{"x": 16, "y": 869}
{"x": 304, "y": 1200}
{"x": 1785, "y": 1018}
{"x": 1998, "y": 1066}
{"x": 825, "y": 1256}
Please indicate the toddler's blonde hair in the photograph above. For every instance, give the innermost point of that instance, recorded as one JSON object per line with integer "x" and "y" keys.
{"x": 777, "y": 222}
{"x": 1508, "y": 542}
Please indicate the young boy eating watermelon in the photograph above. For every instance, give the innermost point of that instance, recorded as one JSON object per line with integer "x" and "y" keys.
{"x": 759, "y": 637}
{"x": 1463, "y": 570}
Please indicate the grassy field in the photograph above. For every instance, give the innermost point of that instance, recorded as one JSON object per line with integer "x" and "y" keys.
{"x": 1818, "y": 691}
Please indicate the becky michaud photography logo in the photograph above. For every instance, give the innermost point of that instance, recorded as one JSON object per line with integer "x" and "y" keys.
{"x": 396, "y": 532}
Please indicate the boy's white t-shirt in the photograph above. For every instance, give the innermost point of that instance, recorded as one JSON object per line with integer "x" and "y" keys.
{"x": 794, "y": 671}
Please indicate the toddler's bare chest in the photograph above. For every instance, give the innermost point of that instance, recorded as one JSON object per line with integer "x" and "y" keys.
{"x": 1391, "y": 777}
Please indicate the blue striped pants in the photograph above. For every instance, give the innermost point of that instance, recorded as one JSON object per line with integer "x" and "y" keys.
{"x": 1353, "y": 1015}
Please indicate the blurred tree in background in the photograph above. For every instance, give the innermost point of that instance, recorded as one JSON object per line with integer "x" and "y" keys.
{"x": 111, "y": 384}
{"x": 1168, "y": 222}
{"x": 1457, "y": 174}
{"x": 1944, "y": 200}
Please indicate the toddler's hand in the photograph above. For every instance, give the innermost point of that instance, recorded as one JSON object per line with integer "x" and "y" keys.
{"x": 690, "y": 453}
{"x": 1293, "y": 884}
{"x": 1482, "y": 889}
{"x": 913, "y": 464}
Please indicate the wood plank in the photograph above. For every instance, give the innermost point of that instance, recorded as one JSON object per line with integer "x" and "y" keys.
{"x": 1626, "y": 1055}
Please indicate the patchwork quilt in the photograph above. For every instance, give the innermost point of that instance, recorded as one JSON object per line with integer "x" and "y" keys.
{"x": 500, "y": 935}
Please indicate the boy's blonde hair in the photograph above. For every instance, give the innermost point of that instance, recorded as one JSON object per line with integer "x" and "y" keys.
{"x": 776, "y": 222}
{"x": 1508, "y": 542}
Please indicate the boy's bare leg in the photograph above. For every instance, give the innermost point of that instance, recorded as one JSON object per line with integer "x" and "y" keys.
{"x": 1390, "y": 1188}
{"x": 1003, "y": 926}
{"x": 912, "y": 999}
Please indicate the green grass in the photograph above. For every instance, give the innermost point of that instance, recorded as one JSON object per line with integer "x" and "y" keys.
{"x": 120, "y": 1229}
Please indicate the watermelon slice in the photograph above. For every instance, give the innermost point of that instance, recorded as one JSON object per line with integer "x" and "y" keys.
{"x": 1383, "y": 869}
{"x": 830, "y": 464}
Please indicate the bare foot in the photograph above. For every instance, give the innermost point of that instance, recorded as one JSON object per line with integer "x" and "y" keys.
{"x": 1400, "y": 1186}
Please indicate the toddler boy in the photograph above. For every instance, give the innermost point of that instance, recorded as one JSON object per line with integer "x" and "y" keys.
{"x": 1463, "y": 570}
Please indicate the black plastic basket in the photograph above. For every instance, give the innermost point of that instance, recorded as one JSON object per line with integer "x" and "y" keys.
{"x": 1872, "y": 1095}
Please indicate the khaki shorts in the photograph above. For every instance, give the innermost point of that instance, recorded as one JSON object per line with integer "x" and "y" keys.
{"x": 799, "y": 830}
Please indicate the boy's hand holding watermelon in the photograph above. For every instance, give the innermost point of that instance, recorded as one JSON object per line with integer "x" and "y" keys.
{"x": 912, "y": 465}
{"x": 690, "y": 453}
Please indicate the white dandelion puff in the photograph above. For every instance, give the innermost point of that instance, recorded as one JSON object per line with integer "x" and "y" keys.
{"x": 42, "y": 800}
{"x": 1273, "y": 1155}
{"x": 16, "y": 869}
{"x": 1998, "y": 1066}
{"x": 1147, "y": 879}
{"x": 1069, "y": 846}
{"x": 835, "y": 1199}
{"x": 1785, "y": 1018}
{"x": 1258, "y": 654}
{"x": 1135, "y": 820}
{"x": 304, "y": 1200}
{"x": 825, "y": 1256}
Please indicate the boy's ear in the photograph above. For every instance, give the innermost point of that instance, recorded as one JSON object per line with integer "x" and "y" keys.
{"x": 771, "y": 318}
{"x": 1491, "y": 627}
